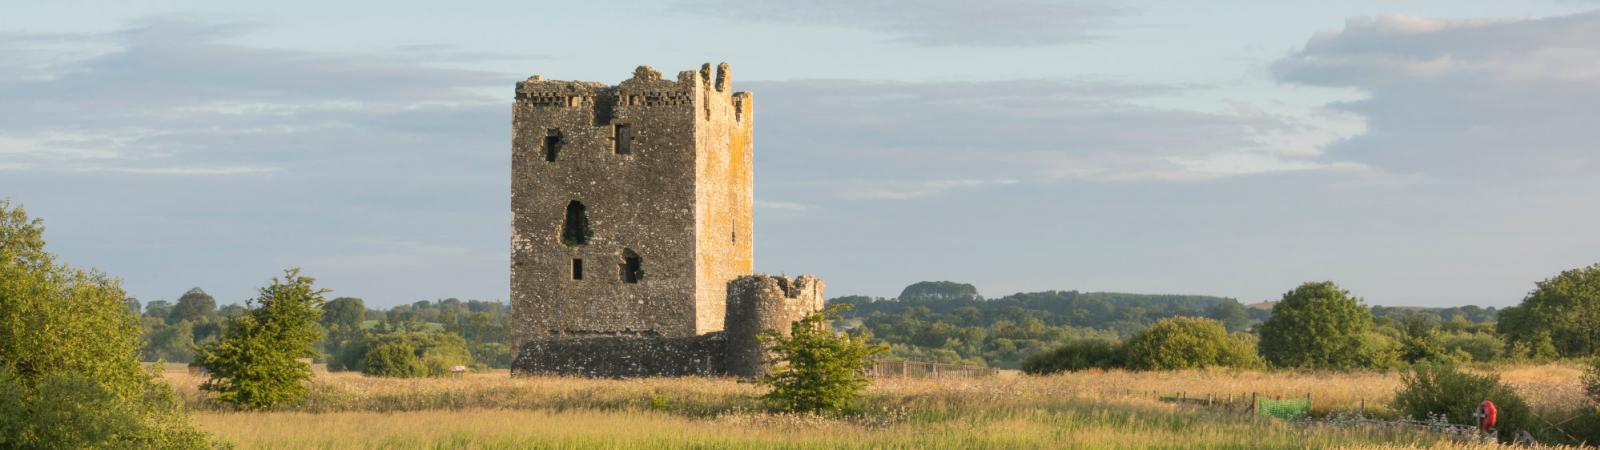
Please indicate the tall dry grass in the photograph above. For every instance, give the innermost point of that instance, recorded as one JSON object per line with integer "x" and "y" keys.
{"x": 1101, "y": 409}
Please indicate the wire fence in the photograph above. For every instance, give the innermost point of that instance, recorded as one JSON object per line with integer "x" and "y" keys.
{"x": 899, "y": 368}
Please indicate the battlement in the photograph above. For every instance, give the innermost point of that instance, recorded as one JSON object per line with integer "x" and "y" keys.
{"x": 646, "y": 88}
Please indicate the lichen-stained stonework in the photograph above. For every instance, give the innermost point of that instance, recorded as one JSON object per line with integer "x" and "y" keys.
{"x": 631, "y": 205}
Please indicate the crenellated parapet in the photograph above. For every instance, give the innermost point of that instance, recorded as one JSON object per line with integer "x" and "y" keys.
{"x": 646, "y": 89}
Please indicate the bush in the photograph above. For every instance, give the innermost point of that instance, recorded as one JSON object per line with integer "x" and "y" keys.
{"x": 394, "y": 359}
{"x": 256, "y": 364}
{"x": 1188, "y": 343}
{"x": 820, "y": 371}
{"x": 1075, "y": 356}
{"x": 431, "y": 353}
{"x": 1319, "y": 326}
{"x": 1443, "y": 389}
{"x": 1591, "y": 380}
{"x": 69, "y": 370}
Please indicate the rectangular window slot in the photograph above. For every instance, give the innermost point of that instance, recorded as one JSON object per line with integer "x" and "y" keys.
{"x": 552, "y": 144}
{"x": 622, "y": 138}
{"x": 577, "y": 269}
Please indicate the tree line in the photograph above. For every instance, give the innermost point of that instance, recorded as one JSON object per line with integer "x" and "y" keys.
{"x": 437, "y": 334}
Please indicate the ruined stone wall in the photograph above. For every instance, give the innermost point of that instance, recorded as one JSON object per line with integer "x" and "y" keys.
{"x": 662, "y": 171}
{"x": 762, "y": 302}
{"x": 623, "y": 356}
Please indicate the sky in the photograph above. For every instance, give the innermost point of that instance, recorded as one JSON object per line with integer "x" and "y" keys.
{"x": 1427, "y": 153}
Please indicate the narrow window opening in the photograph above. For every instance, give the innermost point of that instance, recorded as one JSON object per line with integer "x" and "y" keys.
{"x": 552, "y": 144}
{"x": 622, "y": 138}
{"x": 632, "y": 267}
{"x": 575, "y": 229}
{"x": 577, "y": 269}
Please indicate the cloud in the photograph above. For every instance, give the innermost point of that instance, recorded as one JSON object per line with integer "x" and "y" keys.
{"x": 886, "y": 140}
{"x": 1484, "y": 98}
{"x": 171, "y": 141}
{"x": 934, "y": 23}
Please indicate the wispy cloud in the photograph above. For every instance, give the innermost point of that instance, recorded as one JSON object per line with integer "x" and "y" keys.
{"x": 1476, "y": 98}
{"x": 935, "y": 23}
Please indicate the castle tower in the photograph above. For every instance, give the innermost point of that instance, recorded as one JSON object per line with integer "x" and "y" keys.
{"x": 757, "y": 303}
{"x": 631, "y": 205}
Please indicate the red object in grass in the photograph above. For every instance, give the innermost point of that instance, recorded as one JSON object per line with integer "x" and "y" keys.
{"x": 1487, "y": 415}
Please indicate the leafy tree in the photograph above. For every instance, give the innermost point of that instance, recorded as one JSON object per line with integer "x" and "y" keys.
{"x": 1075, "y": 356}
{"x": 255, "y": 364}
{"x": 1188, "y": 343}
{"x": 1565, "y": 310}
{"x": 69, "y": 373}
{"x": 173, "y": 343}
{"x": 1420, "y": 341}
{"x": 345, "y": 312}
{"x": 195, "y": 305}
{"x": 1317, "y": 326}
{"x": 1233, "y": 315}
{"x": 819, "y": 371}
{"x": 158, "y": 309}
{"x": 133, "y": 306}
{"x": 939, "y": 291}
{"x": 1443, "y": 389}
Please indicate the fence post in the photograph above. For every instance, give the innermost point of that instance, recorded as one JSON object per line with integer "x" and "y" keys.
{"x": 1255, "y": 405}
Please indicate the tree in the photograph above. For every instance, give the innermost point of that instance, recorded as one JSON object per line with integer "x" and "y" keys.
{"x": 158, "y": 309}
{"x": 1420, "y": 340}
{"x": 818, "y": 370}
{"x": 1316, "y": 326}
{"x": 939, "y": 291}
{"x": 1563, "y": 310}
{"x": 344, "y": 312}
{"x": 1233, "y": 315}
{"x": 69, "y": 369}
{"x": 255, "y": 363}
{"x": 194, "y": 306}
{"x": 1188, "y": 343}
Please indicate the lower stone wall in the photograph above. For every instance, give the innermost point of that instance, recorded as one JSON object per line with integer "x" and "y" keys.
{"x": 622, "y": 356}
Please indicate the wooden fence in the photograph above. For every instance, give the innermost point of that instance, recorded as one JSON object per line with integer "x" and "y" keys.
{"x": 899, "y": 368}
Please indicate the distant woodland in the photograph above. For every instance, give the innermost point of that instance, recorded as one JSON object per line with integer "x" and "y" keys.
{"x": 929, "y": 321}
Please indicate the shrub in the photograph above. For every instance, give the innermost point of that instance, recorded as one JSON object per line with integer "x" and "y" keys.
{"x": 1443, "y": 389}
{"x": 1075, "y": 356}
{"x": 430, "y": 353}
{"x": 1318, "y": 326}
{"x": 1187, "y": 343}
{"x": 394, "y": 359}
{"x": 1591, "y": 380}
{"x": 69, "y": 370}
{"x": 819, "y": 371}
{"x": 256, "y": 365}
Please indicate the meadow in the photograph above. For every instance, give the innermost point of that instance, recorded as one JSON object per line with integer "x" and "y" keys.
{"x": 1095, "y": 409}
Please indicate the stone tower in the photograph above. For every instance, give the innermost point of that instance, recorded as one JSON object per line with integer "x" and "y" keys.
{"x": 631, "y": 205}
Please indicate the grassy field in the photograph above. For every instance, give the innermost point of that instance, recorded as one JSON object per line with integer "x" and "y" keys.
{"x": 1090, "y": 409}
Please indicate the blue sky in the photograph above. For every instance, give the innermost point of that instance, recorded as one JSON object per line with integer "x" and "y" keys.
{"x": 1417, "y": 152}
